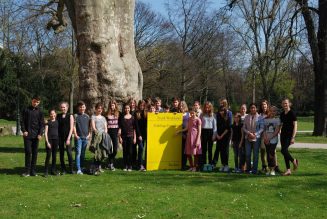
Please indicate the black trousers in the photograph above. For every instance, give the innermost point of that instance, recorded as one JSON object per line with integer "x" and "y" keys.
{"x": 114, "y": 139}
{"x": 286, "y": 142}
{"x": 128, "y": 151}
{"x": 184, "y": 159}
{"x": 68, "y": 149}
{"x": 51, "y": 151}
{"x": 206, "y": 144}
{"x": 31, "y": 149}
{"x": 271, "y": 154}
{"x": 222, "y": 149}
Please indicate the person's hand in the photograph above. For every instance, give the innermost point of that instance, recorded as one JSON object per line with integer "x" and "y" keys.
{"x": 120, "y": 140}
{"x": 266, "y": 140}
{"x": 292, "y": 140}
{"x": 68, "y": 142}
{"x": 134, "y": 141}
{"x": 77, "y": 137}
{"x": 25, "y": 134}
{"x": 140, "y": 138}
{"x": 39, "y": 137}
{"x": 49, "y": 145}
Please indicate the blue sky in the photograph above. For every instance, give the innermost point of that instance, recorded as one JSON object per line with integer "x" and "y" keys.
{"x": 159, "y": 5}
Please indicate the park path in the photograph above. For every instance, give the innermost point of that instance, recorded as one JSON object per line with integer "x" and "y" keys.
{"x": 308, "y": 145}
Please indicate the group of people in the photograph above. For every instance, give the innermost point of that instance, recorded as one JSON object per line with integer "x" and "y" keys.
{"x": 249, "y": 134}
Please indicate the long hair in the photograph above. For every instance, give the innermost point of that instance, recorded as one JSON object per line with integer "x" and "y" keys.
{"x": 260, "y": 111}
{"x": 115, "y": 113}
{"x": 139, "y": 112}
{"x": 210, "y": 111}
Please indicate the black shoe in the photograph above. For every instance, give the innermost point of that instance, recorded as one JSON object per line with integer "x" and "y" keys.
{"x": 55, "y": 173}
{"x": 25, "y": 175}
{"x": 33, "y": 174}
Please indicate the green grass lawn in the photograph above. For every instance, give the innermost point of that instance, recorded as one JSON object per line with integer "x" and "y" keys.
{"x": 305, "y": 123}
{"x": 161, "y": 194}
{"x": 4, "y": 122}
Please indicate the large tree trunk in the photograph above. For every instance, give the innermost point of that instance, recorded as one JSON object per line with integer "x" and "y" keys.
{"x": 108, "y": 67}
{"x": 318, "y": 48}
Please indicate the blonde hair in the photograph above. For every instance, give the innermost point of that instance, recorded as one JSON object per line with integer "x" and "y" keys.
{"x": 210, "y": 112}
{"x": 116, "y": 111}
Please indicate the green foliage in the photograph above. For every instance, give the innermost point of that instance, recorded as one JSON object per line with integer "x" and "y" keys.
{"x": 161, "y": 194}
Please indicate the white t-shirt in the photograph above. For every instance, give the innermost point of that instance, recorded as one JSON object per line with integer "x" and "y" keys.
{"x": 270, "y": 126}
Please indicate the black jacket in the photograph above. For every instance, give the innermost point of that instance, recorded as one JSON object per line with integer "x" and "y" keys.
{"x": 32, "y": 122}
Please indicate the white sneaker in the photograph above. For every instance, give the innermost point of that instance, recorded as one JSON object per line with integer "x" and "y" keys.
{"x": 272, "y": 173}
{"x": 125, "y": 169}
{"x": 226, "y": 169}
{"x": 79, "y": 172}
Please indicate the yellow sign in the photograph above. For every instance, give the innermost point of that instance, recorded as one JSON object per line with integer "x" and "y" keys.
{"x": 164, "y": 147}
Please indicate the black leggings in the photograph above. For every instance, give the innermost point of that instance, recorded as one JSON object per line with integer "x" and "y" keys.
{"x": 223, "y": 149}
{"x": 68, "y": 149}
{"x": 286, "y": 142}
{"x": 51, "y": 151}
{"x": 127, "y": 150}
{"x": 114, "y": 139}
{"x": 206, "y": 144}
{"x": 271, "y": 154}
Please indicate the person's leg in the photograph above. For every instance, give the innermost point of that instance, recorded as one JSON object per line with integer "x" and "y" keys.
{"x": 130, "y": 157}
{"x": 236, "y": 154}
{"x": 263, "y": 155}
{"x": 204, "y": 145}
{"x": 140, "y": 153}
{"x": 28, "y": 152}
{"x": 285, "y": 142}
{"x": 78, "y": 152}
{"x": 54, "y": 147}
{"x": 272, "y": 155}
{"x": 256, "y": 148}
{"x": 114, "y": 139}
{"x": 83, "y": 149}
{"x": 184, "y": 160}
{"x": 248, "y": 150}
{"x": 210, "y": 144}
{"x": 47, "y": 158}
{"x": 35, "y": 147}
{"x": 70, "y": 157}
{"x": 62, "y": 154}
{"x": 190, "y": 160}
{"x": 125, "y": 154}
{"x": 224, "y": 152}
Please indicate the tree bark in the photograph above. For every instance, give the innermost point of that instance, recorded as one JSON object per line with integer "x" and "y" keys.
{"x": 318, "y": 48}
{"x": 108, "y": 67}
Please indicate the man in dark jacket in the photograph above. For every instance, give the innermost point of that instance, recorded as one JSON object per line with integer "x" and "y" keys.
{"x": 32, "y": 126}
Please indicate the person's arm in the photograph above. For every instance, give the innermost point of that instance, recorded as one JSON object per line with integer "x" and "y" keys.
{"x": 94, "y": 129}
{"x": 46, "y": 136}
{"x": 259, "y": 132}
{"x": 214, "y": 125}
{"x": 242, "y": 138}
{"x": 75, "y": 132}
{"x": 198, "y": 137}
{"x": 71, "y": 123}
{"x": 294, "y": 132}
{"x": 105, "y": 125}
{"x": 23, "y": 128}
{"x": 41, "y": 125}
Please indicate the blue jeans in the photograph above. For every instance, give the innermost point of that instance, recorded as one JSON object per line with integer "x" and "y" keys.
{"x": 140, "y": 151}
{"x": 249, "y": 145}
{"x": 80, "y": 152}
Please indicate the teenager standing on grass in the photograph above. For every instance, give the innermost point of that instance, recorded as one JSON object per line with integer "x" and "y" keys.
{"x": 208, "y": 121}
{"x": 32, "y": 126}
{"x": 127, "y": 136}
{"x": 113, "y": 127}
{"x": 51, "y": 142}
{"x": 186, "y": 115}
{"x": 243, "y": 113}
{"x": 99, "y": 126}
{"x": 66, "y": 127}
{"x": 270, "y": 138}
{"x": 287, "y": 136}
{"x": 141, "y": 120}
{"x": 193, "y": 140}
{"x": 253, "y": 128}
{"x": 82, "y": 135}
{"x": 237, "y": 140}
{"x": 263, "y": 112}
{"x": 222, "y": 138}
